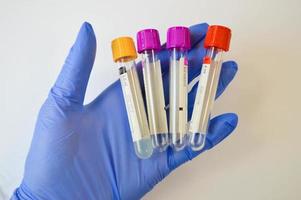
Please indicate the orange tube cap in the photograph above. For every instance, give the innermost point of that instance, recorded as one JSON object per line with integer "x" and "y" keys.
{"x": 219, "y": 37}
{"x": 123, "y": 48}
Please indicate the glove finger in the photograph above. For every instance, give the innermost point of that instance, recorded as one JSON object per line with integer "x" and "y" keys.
{"x": 228, "y": 71}
{"x": 72, "y": 81}
{"x": 220, "y": 127}
{"x": 195, "y": 60}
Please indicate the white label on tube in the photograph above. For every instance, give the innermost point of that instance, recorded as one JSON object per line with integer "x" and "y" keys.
{"x": 130, "y": 108}
{"x": 183, "y": 95}
{"x": 199, "y": 99}
{"x": 162, "y": 120}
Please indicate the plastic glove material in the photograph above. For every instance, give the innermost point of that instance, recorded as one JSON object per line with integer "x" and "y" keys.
{"x": 86, "y": 151}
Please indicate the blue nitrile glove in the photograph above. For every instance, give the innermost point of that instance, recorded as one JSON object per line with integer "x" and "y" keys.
{"x": 86, "y": 152}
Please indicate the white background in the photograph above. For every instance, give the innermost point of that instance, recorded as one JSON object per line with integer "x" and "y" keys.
{"x": 261, "y": 160}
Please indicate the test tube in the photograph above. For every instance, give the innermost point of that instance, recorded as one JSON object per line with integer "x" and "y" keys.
{"x": 148, "y": 43}
{"x": 178, "y": 43}
{"x": 216, "y": 42}
{"x": 124, "y": 54}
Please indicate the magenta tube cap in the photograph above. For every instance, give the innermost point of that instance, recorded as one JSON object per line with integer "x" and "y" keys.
{"x": 148, "y": 39}
{"x": 178, "y": 37}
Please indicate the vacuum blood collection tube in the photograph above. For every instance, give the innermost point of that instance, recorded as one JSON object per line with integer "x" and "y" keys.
{"x": 178, "y": 43}
{"x": 124, "y": 54}
{"x": 148, "y": 43}
{"x": 216, "y": 42}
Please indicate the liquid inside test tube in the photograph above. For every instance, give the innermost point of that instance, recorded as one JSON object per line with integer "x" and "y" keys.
{"x": 124, "y": 54}
{"x": 148, "y": 43}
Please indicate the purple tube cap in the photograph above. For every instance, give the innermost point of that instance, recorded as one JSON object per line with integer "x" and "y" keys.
{"x": 148, "y": 39}
{"x": 178, "y": 37}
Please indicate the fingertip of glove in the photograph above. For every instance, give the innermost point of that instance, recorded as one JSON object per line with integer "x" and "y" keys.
{"x": 199, "y": 27}
{"x": 232, "y": 120}
{"x": 86, "y": 41}
{"x": 229, "y": 71}
{"x": 87, "y": 25}
{"x": 197, "y": 32}
{"x": 86, "y": 33}
{"x": 232, "y": 65}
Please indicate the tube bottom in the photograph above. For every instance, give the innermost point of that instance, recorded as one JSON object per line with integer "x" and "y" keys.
{"x": 143, "y": 148}
{"x": 197, "y": 141}
{"x": 178, "y": 141}
{"x": 160, "y": 141}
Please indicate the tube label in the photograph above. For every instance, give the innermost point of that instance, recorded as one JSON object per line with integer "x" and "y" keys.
{"x": 130, "y": 106}
{"x": 178, "y": 97}
{"x": 183, "y": 94}
{"x": 199, "y": 105}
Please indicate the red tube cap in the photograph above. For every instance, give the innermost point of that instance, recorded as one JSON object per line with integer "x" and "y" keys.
{"x": 219, "y": 37}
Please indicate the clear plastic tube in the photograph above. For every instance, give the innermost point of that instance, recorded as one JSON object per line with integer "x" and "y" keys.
{"x": 178, "y": 97}
{"x": 155, "y": 102}
{"x": 216, "y": 42}
{"x": 205, "y": 97}
{"x": 135, "y": 108}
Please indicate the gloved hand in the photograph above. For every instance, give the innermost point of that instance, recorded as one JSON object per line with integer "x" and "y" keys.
{"x": 86, "y": 151}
